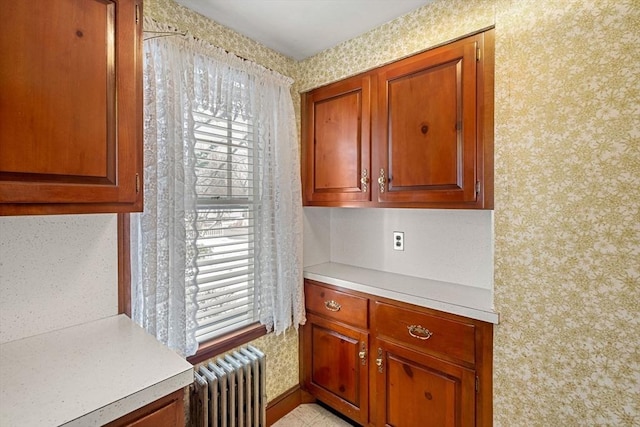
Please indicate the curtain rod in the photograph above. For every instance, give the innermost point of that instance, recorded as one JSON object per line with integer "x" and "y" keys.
{"x": 159, "y": 34}
{"x": 176, "y": 32}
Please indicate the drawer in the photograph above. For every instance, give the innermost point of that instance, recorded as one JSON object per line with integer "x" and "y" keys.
{"x": 336, "y": 305}
{"x": 425, "y": 332}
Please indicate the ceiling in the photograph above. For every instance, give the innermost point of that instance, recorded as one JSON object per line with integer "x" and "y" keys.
{"x": 302, "y": 28}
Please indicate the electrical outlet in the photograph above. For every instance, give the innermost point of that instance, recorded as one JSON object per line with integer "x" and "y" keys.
{"x": 398, "y": 240}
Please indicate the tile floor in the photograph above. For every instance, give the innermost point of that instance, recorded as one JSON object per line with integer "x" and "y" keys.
{"x": 311, "y": 415}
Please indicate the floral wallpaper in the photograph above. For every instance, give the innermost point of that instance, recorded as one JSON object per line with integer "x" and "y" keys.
{"x": 567, "y": 217}
{"x": 426, "y": 27}
{"x": 567, "y": 192}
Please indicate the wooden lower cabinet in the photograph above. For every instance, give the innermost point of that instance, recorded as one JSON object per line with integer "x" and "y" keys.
{"x": 167, "y": 411}
{"x": 414, "y": 389}
{"x": 338, "y": 366}
{"x": 400, "y": 365}
{"x": 335, "y": 350}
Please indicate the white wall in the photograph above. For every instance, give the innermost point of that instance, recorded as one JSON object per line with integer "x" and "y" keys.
{"x": 317, "y": 235}
{"x": 55, "y": 272}
{"x": 448, "y": 245}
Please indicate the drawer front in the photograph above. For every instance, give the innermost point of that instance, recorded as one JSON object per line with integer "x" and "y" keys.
{"x": 425, "y": 332}
{"x": 336, "y": 305}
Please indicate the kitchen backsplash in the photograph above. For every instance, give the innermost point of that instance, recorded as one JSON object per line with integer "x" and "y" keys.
{"x": 56, "y": 271}
{"x": 447, "y": 245}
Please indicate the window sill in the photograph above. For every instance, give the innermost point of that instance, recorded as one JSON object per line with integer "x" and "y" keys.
{"x": 227, "y": 342}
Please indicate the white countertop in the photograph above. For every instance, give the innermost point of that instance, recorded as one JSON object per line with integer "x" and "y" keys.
{"x": 86, "y": 375}
{"x": 468, "y": 301}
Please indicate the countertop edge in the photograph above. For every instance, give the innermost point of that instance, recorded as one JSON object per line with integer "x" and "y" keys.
{"x": 347, "y": 277}
{"x": 135, "y": 401}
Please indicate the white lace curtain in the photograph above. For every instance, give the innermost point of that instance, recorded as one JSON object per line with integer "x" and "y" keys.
{"x": 180, "y": 75}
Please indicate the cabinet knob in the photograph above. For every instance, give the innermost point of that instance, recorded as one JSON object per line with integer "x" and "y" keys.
{"x": 419, "y": 332}
{"x": 382, "y": 180}
{"x": 364, "y": 180}
{"x": 332, "y": 305}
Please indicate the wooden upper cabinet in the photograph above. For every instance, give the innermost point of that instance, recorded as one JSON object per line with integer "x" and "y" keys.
{"x": 431, "y": 132}
{"x": 71, "y": 106}
{"x": 427, "y": 127}
{"x": 337, "y": 142}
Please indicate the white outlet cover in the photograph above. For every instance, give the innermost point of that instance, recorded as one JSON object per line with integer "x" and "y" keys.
{"x": 398, "y": 240}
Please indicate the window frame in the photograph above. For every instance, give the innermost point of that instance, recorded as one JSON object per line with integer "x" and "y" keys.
{"x": 206, "y": 349}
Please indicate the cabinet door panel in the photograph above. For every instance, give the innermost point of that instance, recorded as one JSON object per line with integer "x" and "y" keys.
{"x": 70, "y": 114}
{"x": 426, "y": 143}
{"x": 66, "y": 110}
{"x": 337, "y": 142}
{"x": 335, "y": 366}
{"x": 416, "y": 389}
{"x": 424, "y": 138}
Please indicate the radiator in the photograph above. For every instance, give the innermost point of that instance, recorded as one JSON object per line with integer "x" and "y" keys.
{"x": 230, "y": 392}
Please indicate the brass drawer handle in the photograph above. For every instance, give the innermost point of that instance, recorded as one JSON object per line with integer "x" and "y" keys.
{"x": 332, "y": 305}
{"x": 379, "y": 360}
{"x": 363, "y": 353}
{"x": 419, "y": 332}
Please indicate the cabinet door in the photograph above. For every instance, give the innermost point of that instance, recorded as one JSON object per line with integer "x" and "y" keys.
{"x": 335, "y": 366}
{"x": 336, "y": 143}
{"x": 414, "y": 389}
{"x": 426, "y": 147}
{"x": 70, "y": 110}
{"x": 167, "y": 411}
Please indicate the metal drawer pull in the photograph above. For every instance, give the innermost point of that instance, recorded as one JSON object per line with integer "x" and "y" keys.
{"x": 382, "y": 180}
{"x": 332, "y": 305}
{"x": 379, "y": 360}
{"x": 363, "y": 353}
{"x": 364, "y": 180}
{"x": 419, "y": 332}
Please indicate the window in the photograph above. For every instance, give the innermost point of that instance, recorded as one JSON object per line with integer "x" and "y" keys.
{"x": 218, "y": 247}
{"x": 225, "y": 207}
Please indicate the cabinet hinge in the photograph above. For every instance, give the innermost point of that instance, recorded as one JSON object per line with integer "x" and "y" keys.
{"x": 137, "y": 13}
{"x": 477, "y": 187}
{"x": 477, "y": 384}
{"x": 478, "y": 53}
{"x": 137, "y": 183}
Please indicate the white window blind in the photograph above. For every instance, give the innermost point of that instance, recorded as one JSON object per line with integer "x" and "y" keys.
{"x": 225, "y": 205}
